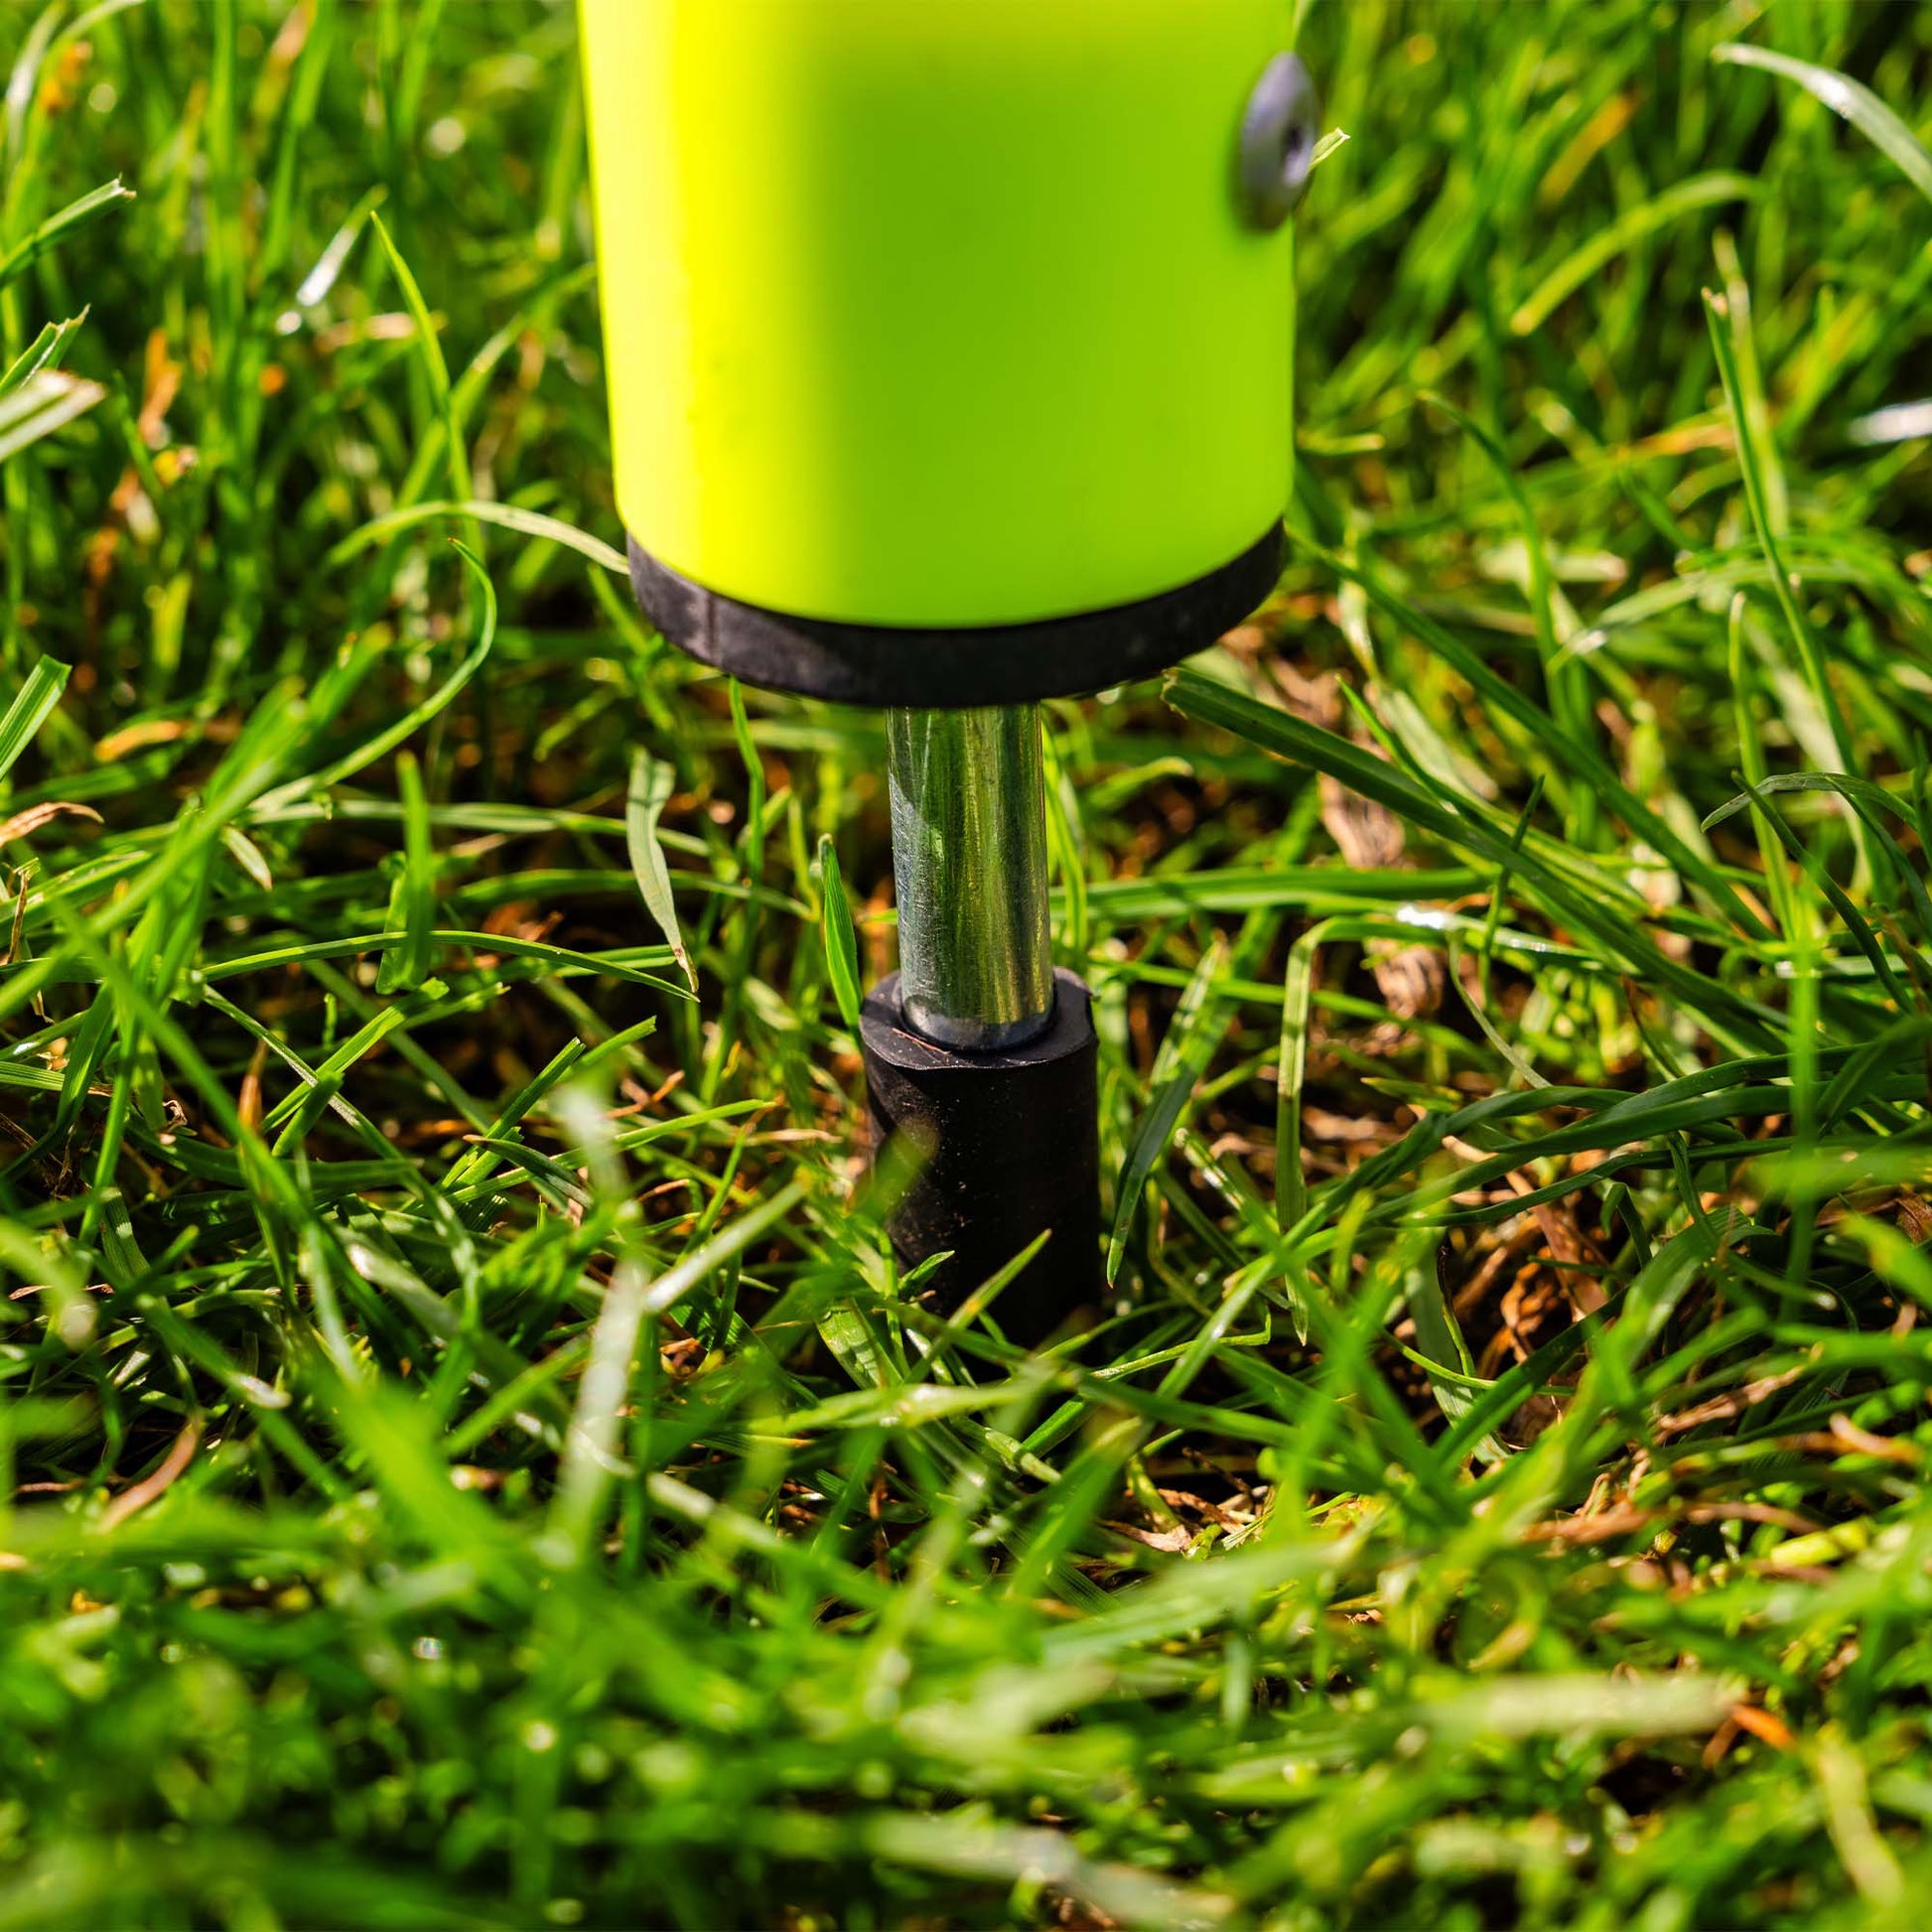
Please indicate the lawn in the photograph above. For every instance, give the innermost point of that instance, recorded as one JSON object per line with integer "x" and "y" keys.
{"x": 466, "y": 1459}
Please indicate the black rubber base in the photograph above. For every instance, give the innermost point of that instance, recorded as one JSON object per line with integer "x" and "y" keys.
{"x": 948, "y": 670}
{"x": 1010, "y": 1146}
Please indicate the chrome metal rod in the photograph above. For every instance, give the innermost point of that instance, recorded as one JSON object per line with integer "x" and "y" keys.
{"x": 969, "y": 863}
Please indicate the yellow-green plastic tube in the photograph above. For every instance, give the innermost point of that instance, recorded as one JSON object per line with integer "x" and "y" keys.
{"x": 938, "y": 312}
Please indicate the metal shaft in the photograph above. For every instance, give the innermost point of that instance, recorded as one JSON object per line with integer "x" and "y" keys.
{"x": 969, "y": 862}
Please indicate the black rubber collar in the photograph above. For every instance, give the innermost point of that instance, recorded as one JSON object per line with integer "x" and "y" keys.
{"x": 949, "y": 670}
{"x": 1009, "y": 1148}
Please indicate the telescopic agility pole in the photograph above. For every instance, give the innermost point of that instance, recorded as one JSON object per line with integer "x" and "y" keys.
{"x": 949, "y": 352}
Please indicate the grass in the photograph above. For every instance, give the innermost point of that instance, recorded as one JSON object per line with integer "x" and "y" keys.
{"x": 465, "y": 1462}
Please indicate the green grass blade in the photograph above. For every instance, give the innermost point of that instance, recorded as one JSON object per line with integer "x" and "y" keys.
{"x": 40, "y": 405}
{"x": 408, "y": 932}
{"x": 1850, "y": 99}
{"x": 43, "y": 352}
{"x": 1184, "y": 1052}
{"x": 1628, "y": 229}
{"x": 58, "y": 226}
{"x": 418, "y": 715}
{"x": 652, "y": 784}
{"x": 505, "y": 516}
{"x": 29, "y": 709}
{"x": 837, "y": 936}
